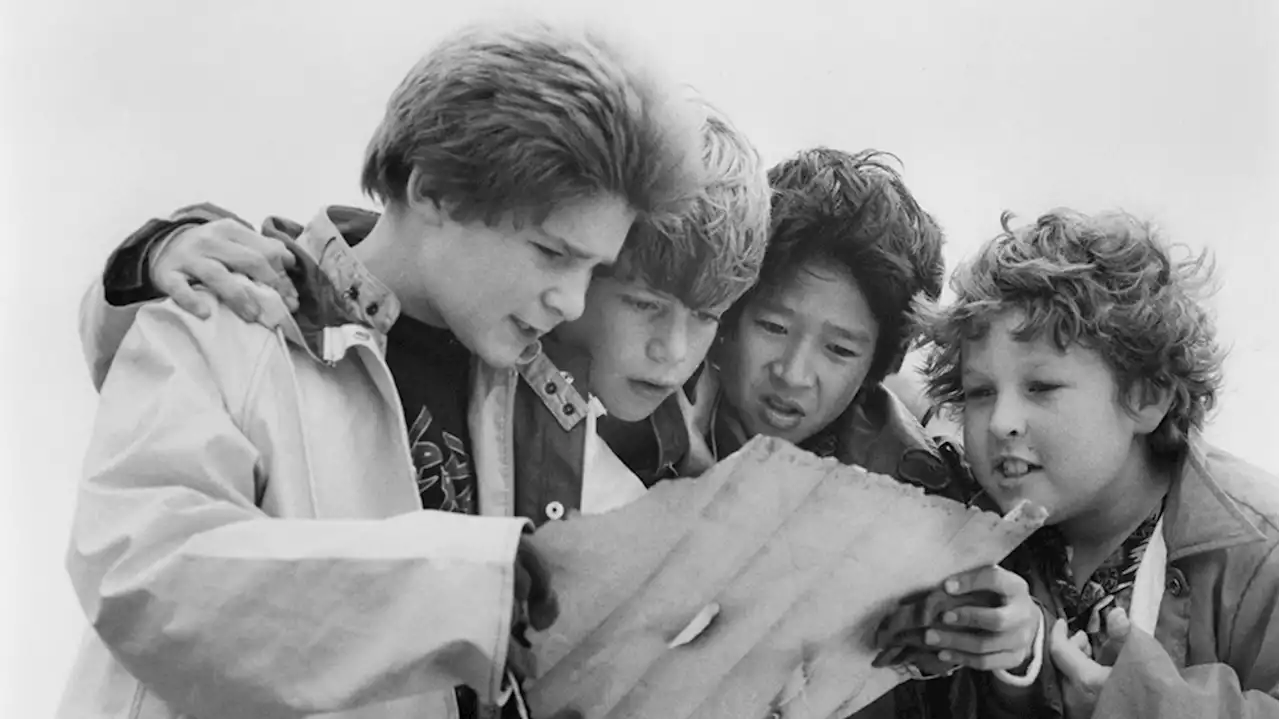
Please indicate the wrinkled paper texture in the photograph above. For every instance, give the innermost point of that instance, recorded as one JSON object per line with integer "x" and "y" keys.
{"x": 803, "y": 555}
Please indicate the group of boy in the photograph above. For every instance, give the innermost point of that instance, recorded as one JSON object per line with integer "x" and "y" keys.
{"x": 315, "y": 468}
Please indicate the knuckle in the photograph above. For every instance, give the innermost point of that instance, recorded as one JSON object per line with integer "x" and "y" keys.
{"x": 198, "y": 238}
{"x": 967, "y": 643}
{"x": 1002, "y": 619}
{"x": 207, "y": 274}
{"x": 220, "y": 230}
{"x": 168, "y": 281}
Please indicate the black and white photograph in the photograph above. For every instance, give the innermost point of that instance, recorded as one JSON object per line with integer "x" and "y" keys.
{"x": 683, "y": 359}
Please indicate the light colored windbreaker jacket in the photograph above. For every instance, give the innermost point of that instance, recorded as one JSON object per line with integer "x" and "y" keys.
{"x": 248, "y": 539}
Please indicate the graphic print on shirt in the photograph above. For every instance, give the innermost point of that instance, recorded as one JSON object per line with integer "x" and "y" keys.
{"x": 443, "y": 474}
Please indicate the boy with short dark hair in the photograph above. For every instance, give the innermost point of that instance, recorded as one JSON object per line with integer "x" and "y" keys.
{"x": 249, "y": 539}
{"x": 802, "y": 355}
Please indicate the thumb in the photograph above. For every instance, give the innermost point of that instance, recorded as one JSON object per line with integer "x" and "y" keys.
{"x": 1118, "y": 624}
{"x": 1074, "y": 665}
{"x": 1118, "y": 628}
{"x": 537, "y": 591}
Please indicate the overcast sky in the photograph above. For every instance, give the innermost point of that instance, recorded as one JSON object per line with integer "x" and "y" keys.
{"x": 114, "y": 112}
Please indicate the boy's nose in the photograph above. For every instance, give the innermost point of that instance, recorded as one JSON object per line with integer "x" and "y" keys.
{"x": 793, "y": 368}
{"x": 568, "y": 297}
{"x": 670, "y": 341}
{"x": 1007, "y": 417}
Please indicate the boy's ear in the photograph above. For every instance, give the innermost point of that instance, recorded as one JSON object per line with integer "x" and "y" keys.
{"x": 423, "y": 208}
{"x": 1149, "y": 405}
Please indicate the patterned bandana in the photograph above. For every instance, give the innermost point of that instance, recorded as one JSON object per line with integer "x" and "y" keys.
{"x": 1111, "y": 584}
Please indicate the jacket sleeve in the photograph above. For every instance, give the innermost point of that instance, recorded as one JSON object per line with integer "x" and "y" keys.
{"x": 102, "y": 328}
{"x": 109, "y": 305}
{"x": 982, "y": 694}
{"x": 1146, "y": 683}
{"x": 221, "y": 610}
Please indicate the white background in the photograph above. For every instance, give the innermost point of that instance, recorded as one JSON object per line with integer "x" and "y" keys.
{"x": 113, "y": 112}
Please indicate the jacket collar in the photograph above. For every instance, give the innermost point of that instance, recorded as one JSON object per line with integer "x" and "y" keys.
{"x": 339, "y": 300}
{"x": 361, "y": 297}
{"x": 1200, "y": 515}
{"x": 878, "y": 432}
{"x": 553, "y": 383}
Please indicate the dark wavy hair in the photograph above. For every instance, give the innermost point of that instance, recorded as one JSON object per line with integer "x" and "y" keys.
{"x": 1108, "y": 282}
{"x": 855, "y": 212}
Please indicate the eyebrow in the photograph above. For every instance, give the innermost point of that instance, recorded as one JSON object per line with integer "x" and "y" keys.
{"x": 641, "y": 285}
{"x": 855, "y": 336}
{"x": 858, "y": 336}
{"x": 777, "y": 308}
{"x": 573, "y": 250}
{"x": 1037, "y": 365}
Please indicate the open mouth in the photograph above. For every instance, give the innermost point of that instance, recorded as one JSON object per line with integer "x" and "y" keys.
{"x": 527, "y": 331}
{"x": 1012, "y": 468}
{"x": 780, "y": 413}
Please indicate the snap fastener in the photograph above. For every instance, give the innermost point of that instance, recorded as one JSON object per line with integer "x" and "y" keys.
{"x": 569, "y": 409}
{"x": 372, "y": 308}
{"x": 550, "y": 388}
{"x": 555, "y": 510}
{"x": 1175, "y": 583}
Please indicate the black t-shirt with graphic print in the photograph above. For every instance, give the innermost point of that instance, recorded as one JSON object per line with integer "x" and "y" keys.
{"x": 432, "y": 372}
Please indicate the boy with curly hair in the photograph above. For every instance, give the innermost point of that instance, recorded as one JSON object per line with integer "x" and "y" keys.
{"x": 1083, "y": 363}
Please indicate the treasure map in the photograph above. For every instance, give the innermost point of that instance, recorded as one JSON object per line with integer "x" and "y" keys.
{"x": 751, "y": 592}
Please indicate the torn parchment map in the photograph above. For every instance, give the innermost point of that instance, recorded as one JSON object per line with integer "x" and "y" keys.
{"x": 751, "y": 592}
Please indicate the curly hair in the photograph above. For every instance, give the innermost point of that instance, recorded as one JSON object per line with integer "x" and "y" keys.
{"x": 521, "y": 118}
{"x": 855, "y": 211}
{"x": 1108, "y": 282}
{"x": 710, "y": 255}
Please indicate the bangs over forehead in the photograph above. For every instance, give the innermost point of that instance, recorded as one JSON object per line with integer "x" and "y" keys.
{"x": 686, "y": 268}
{"x": 711, "y": 255}
{"x": 1041, "y": 319}
{"x": 1108, "y": 282}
